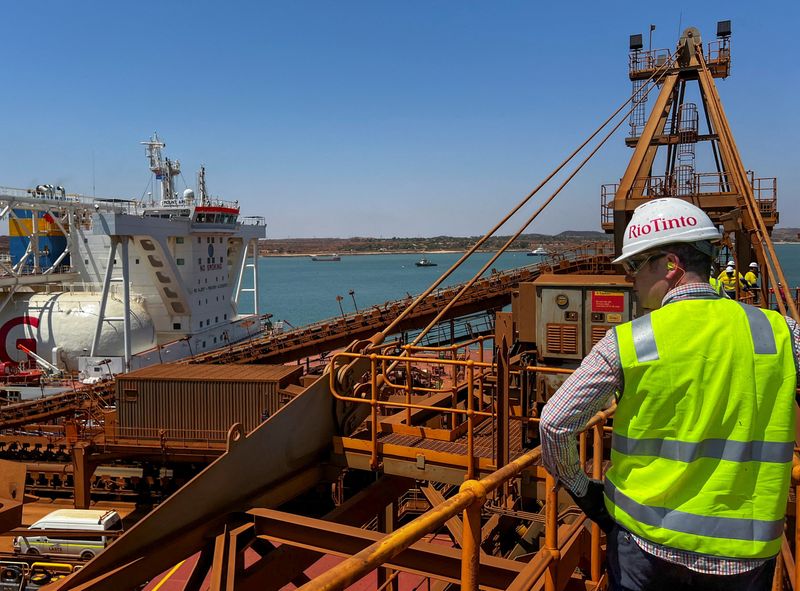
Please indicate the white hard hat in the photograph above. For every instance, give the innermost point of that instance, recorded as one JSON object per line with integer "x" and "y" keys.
{"x": 754, "y": 265}
{"x": 666, "y": 221}
{"x": 729, "y": 268}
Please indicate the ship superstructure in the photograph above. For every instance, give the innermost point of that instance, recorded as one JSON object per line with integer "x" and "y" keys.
{"x": 108, "y": 285}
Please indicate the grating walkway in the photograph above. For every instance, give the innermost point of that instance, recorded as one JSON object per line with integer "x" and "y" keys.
{"x": 485, "y": 445}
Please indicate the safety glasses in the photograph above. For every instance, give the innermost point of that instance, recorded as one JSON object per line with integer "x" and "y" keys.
{"x": 634, "y": 264}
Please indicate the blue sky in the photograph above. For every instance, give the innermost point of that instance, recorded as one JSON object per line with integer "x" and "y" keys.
{"x": 368, "y": 118}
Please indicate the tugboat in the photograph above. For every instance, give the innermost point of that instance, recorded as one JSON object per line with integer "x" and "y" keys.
{"x": 423, "y": 262}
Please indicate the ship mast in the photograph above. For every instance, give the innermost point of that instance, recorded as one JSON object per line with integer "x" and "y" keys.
{"x": 165, "y": 169}
{"x": 201, "y": 186}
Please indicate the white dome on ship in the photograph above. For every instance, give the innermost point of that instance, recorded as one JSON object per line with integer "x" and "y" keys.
{"x": 68, "y": 320}
{"x": 188, "y": 195}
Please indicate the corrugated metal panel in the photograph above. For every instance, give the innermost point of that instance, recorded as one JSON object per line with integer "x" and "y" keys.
{"x": 202, "y": 407}
{"x": 228, "y": 372}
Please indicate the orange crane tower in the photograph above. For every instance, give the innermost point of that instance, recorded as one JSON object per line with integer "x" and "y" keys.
{"x": 744, "y": 205}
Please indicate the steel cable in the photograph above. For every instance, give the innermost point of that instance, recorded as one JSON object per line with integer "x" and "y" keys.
{"x": 656, "y": 78}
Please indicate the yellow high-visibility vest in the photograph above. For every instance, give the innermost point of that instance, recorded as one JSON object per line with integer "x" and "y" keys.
{"x": 704, "y": 430}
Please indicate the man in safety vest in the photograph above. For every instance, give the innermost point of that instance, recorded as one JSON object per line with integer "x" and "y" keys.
{"x": 751, "y": 280}
{"x": 751, "y": 277}
{"x": 703, "y": 435}
{"x": 728, "y": 278}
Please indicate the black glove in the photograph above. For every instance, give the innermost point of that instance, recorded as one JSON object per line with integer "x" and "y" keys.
{"x": 594, "y": 505}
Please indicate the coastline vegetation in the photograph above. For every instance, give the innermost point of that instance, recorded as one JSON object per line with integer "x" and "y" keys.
{"x": 364, "y": 245}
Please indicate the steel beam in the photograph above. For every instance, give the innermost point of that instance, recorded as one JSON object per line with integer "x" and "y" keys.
{"x": 428, "y": 560}
{"x": 572, "y": 543}
{"x": 284, "y": 564}
{"x": 183, "y": 524}
{"x": 640, "y": 155}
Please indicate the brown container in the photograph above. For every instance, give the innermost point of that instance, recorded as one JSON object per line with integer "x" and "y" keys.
{"x": 198, "y": 402}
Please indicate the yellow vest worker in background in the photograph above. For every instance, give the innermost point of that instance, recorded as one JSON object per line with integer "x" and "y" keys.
{"x": 751, "y": 280}
{"x": 728, "y": 278}
{"x": 751, "y": 277}
{"x": 703, "y": 434}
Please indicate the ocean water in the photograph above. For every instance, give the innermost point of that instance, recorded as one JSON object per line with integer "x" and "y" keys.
{"x": 301, "y": 291}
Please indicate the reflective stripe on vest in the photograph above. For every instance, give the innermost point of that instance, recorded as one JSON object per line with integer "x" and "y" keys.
{"x": 721, "y": 449}
{"x": 705, "y": 525}
{"x": 760, "y": 330}
{"x": 643, "y": 340}
{"x": 704, "y": 430}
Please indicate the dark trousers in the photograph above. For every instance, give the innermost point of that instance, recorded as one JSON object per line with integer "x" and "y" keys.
{"x": 632, "y": 569}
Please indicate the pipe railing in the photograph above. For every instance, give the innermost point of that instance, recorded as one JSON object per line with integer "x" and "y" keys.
{"x": 473, "y": 493}
{"x": 474, "y": 372}
{"x": 469, "y": 500}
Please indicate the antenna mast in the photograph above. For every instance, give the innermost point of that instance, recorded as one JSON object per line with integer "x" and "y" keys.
{"x": 165, "y": 169}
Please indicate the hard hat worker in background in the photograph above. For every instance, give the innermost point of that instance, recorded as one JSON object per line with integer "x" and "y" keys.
{"x": 703, "y": 434}
{"x": 729, "y": 277}
{"x": 751, "y": 277}
{"x": 751, "y": 280}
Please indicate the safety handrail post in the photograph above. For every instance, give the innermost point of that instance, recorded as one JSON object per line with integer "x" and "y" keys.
{"x": 453, "y": 418}
{"x": 470, "y": 420}
{"x": 597, "y": 474}
{"x": 471, "y": 538}
{"x": 408, "y": 392}
{"x": 373, "y": 461}
{"x": 551, "y": 532}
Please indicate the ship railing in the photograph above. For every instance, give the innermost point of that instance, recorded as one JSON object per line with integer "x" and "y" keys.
{"x": 202, "y": 438}
{"x": 78, "y": 287}
{"x": 57, "y": 198}
{"x": 216, "y": 202}
{"x": 252, "y": 220}
{"x": 8, "y": 192}
{"x": 565, "y": 534}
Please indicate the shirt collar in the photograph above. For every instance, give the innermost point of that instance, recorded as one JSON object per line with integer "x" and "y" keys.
{"x": 690, "y": 291}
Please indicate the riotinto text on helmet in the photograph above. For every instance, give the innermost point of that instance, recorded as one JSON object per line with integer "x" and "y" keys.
{"x": 660, "y": 224}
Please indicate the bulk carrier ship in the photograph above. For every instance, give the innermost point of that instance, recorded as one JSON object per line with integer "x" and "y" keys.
{"x": 104, "y": 286}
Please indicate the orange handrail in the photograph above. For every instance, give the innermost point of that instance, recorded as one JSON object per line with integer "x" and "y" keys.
{"x": 471, "y": 496}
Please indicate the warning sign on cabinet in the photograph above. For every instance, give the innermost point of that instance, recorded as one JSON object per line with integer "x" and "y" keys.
{"x": 608, "y": 301}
